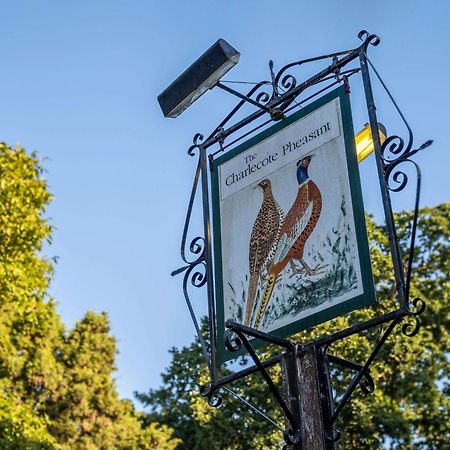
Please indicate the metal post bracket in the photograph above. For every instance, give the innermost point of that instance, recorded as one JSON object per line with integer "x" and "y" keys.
{"x": 197, "y": 256}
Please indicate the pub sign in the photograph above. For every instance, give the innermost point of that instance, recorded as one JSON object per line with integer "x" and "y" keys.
{"x": 290, "y": 242}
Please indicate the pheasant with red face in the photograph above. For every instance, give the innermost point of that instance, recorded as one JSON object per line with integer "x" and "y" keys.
{"x": 298, "y": 225}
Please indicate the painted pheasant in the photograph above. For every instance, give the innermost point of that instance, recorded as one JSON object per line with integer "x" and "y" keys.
{"x": 294, "y": 232}
{"x": 263, "y": 241}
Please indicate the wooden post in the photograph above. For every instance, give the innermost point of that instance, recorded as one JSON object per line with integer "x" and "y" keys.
{"x": 302, "y": 393}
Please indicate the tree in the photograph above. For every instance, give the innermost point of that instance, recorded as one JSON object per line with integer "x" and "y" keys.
{"x": 410, "y": 408}
{"x": 56, "y": 386}
{"x": 91, "y": 415}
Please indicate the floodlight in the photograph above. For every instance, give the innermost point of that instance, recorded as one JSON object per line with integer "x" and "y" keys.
{"x": 202, "y": 75}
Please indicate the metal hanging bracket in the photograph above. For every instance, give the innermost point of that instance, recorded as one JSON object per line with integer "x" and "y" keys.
{"x": 284, "y": 97}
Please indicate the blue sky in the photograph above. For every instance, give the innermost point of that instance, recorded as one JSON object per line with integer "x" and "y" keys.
{"x": 79, "y": 83}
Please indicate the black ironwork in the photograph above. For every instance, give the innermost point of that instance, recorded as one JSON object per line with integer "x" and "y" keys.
{"x": 275, "y": 98}
{"x": 254, "y": 408}
{"x": 242, "y": 335}
{"x": 394, "y": 153}
{"x": 367, "y": 385}
{"x": 195, "y": 266}
{"x": 293, "y": 436}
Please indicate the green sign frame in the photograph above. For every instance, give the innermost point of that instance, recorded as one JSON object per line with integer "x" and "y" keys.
{"x": 361, "y": 242}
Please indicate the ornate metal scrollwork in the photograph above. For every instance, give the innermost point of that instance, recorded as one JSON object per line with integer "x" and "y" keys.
{"x": 266, "y": 98}
{"x": 411, "y": 329}
{"x": 197, "y": 244}
{"x": 368, "y": 38}
{"x": 193, "y": 255}
{"x": 263, "y": 97}
{"x": 211, "y": 395}
{"x": 196, "y": 278}
{"x": 413, "y": 323}
{"x": 367, "y": 384}
{"x": 394, "y": 154}
{"x": 196, "y": 247}
{"x": 195, "y": 143}
{"x": 418, "y": 306}
{"x": 284, "y": 83}
{"x": 287, "y": 83}
{"x": 274, "y": 97}
{"x": 232, "y": 341}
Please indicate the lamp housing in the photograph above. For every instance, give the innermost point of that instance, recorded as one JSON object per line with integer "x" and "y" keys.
{"x": 202, "y": 75}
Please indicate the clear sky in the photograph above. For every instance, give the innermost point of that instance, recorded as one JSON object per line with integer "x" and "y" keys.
{"x": 79, "y": 81}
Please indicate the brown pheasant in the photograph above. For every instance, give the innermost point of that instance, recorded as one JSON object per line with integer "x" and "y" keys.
{"x": 263, "y": 242}
{"x": 294, "y": 232}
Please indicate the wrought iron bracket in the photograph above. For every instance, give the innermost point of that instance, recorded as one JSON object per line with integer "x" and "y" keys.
{"x": 367, "y": 384}
{"x": 283, "y": 96}
{"x": 245, "y": 98}
{"x": 234, "y": 344}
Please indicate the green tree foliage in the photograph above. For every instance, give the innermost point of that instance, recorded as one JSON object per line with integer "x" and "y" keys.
{"x": 56, "y": 385}
{"x": 410, "y": 408}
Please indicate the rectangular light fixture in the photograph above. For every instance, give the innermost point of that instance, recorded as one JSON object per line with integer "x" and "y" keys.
{"x": 364, "y": 141}
{"x": 202, "y": 75}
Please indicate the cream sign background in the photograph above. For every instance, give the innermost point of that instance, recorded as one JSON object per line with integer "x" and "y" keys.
{"x": 279, "y": 150}
{"x": 296, "y": 182}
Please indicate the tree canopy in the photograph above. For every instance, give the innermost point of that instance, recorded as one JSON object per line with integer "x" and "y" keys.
{"x": 56, "y": 385}
{"x": 410, "y": 407}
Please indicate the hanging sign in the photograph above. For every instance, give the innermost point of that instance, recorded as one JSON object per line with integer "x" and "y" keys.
{"x": 290, "y": 243}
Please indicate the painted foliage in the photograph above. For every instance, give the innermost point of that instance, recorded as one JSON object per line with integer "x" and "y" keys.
{"x": 290, "y": 243}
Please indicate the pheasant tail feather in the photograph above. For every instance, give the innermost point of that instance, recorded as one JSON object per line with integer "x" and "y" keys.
{"x": 270, "y": 284}
{"x": 252, "y": 285}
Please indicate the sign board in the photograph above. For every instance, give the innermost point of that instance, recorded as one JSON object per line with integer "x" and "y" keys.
{"x": 290, "y": 242}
